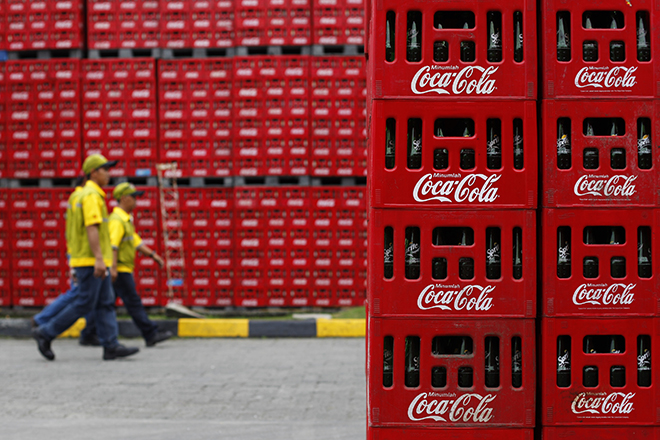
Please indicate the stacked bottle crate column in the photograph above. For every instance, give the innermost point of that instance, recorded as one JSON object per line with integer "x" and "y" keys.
{"x": 195, "y": 123}
{"x": 338, "y": 245}
{"x": 3, "y": 121}
{"x": 43, "y": 116}
{"x": 273, "y": 23}
{"x": 118, "y": 24}
{"x": 119, "y": 113}
{"x": 338, "y": 113}
{"x": 5, "y": 253}
{"x": 452, "y": 222}
{"x": 601, "y": 116}
{"x": 207, "y": 216}
{"x": 40, "y": 270}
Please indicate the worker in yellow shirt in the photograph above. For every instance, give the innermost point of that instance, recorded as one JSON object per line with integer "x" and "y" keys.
{"x": 125, "y": 241}
{"x": 91, "y": 256}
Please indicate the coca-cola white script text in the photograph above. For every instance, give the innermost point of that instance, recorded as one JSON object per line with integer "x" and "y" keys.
{"x": 615, "y": 404}
{"x": 604, "y": 295}
{"x": 470, "y": 188}
{"x": 468, "y": 408}
{"x": 454, "y": 82}
{"x": 472, "y": 297}
{"x": 605, "y": 186}
{"x": 606, "y": 78}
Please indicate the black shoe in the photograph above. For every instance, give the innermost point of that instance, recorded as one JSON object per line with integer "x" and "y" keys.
{"x": 43, "y": 344}
{"x": 118, "y": 351}
{"x": 89, "y": 341}
{"x": 159, "y": 337}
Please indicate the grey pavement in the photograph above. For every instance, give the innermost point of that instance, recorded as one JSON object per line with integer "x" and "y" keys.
{"x": 253, "y": 389}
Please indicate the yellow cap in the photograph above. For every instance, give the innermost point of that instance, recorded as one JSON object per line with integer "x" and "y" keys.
{"x": 96, "y": 161}
{"x": 126, "y": 189}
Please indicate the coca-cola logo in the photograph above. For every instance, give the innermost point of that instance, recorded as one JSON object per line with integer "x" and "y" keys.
{"x": 454, "y": 188}
{"x": 614, "y": 404}
{"x": 605, "y": 77}
{"x": 467, "y": 408}
{"x": 604, "y": 295}
{"x": 453, "y": 297}
{"x": 454, "y": 81}
{"x": 605, "y": 186}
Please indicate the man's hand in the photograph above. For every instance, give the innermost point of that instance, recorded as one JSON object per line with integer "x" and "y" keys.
{"x": 100, "y": 269}
{"x": 113, "y": 273}
{"x": 158, "y": 260}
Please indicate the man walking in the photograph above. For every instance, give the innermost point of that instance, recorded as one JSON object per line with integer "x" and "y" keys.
{"x": 91, "y": 255}
{"x": 125, "y": 241}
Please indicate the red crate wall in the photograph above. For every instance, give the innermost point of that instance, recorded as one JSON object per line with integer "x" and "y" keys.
{"x": 195, "y": 116}
{"x": 118, "y": 24}
{"x": 603, "y": 78}
{"x": 3, "y": 121}
{"x": 454, "y": 187}
{"x": 43, "y": 118}
{"x": 378, "y": 433}
{"x": 207, "y": 216}
{"x": 603, "y": 405}
{"x": 146, "y": 218}
{"x": 338, "y": 22}
{"x": 338, "y": 116}
{"x": 428, "y": 79}
{"x": 273, "y": 23}
{"x": 39, "y": 262}
{"x": 42, "y": 25}
{"x": 451, "y": 406}
{"x": 119, "y": 114}
{"x": 453, "y": 296}
{"x": 5, "y": 253}
{"x": 604, "y": 186}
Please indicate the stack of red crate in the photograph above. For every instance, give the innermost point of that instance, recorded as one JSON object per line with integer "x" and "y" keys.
{"x": 207, "y": 222}
{"x": 338, "y": 116}
{"x": 176, "y": 23}
{"x": 3, "y": 25}
{"x": 5, "y": 250}
{"x": 119, "y": 113}
{"x": 339, "y": 246}
{"x": 43, "y": 118}
{"x": 146, "y": 218}
{"x": 3, "y": 121}
{"x": 113, "y": 24}
{"x": 338, "y": 22}
{"x": 40, "y": 268}
{"x": 600, "y": 217}
{"x": 195, "y": 121}
{"x": 46, "y": 24}
{"x": 273, "y": 23}
{"x": 452, "y": 222}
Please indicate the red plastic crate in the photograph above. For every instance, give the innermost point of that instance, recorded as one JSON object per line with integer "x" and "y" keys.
{"x": 604, "y": 78}
{"x": 603, "y": 404}
{"x": 603, "y": 186}
{"x": 603, "y": 295}
{"x": 450, "y": 406}
{"x": 428, "y": 79}
{"x": 452, "y": 296}
{"x": 378, "y": 433}
{"x": 453, "y": 187}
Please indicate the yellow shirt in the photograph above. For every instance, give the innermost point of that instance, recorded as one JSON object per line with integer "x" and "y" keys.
{"x": 90, "y": 210}
{"x": 71, "y": 206}
{"x": 123, "y": 239}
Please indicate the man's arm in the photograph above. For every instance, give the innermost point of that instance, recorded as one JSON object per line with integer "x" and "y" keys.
{"x": 147, "y": 251}
{"x": 95, "y": 246}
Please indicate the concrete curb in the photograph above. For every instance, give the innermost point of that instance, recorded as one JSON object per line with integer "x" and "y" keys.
{"x": 216, "y": 328}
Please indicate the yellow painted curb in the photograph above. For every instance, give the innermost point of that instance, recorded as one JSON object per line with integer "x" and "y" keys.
{"x": 334, "y": 328}
{"x": 74, "y": 330}
{"x": 214, "y": 328}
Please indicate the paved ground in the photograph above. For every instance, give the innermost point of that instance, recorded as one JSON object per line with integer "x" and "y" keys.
{"x": 252, "y": 389}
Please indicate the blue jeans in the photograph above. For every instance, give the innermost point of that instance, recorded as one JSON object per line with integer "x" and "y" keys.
{"x": 124, "y": 286}
{"x": 58, "y": 305}
{"x": 94, "y": 295}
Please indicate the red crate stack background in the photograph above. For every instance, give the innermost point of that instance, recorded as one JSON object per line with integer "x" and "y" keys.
{"x": 43, "y": 118}
{"x": 40, "y": 271}
{"x": 5, "y": 254}
{"x": 119, "y": 116}
{"x": 43, "y": 25}
{"x": 114, "y": 24}
{"x": 273, "y": 23}
{"x": 599, "y": 219}
{"x": 194, "y": 116}
{"x": 3, "y": 121}
{"x": 338, "y": 116}
{"x": 338, "y": 22}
